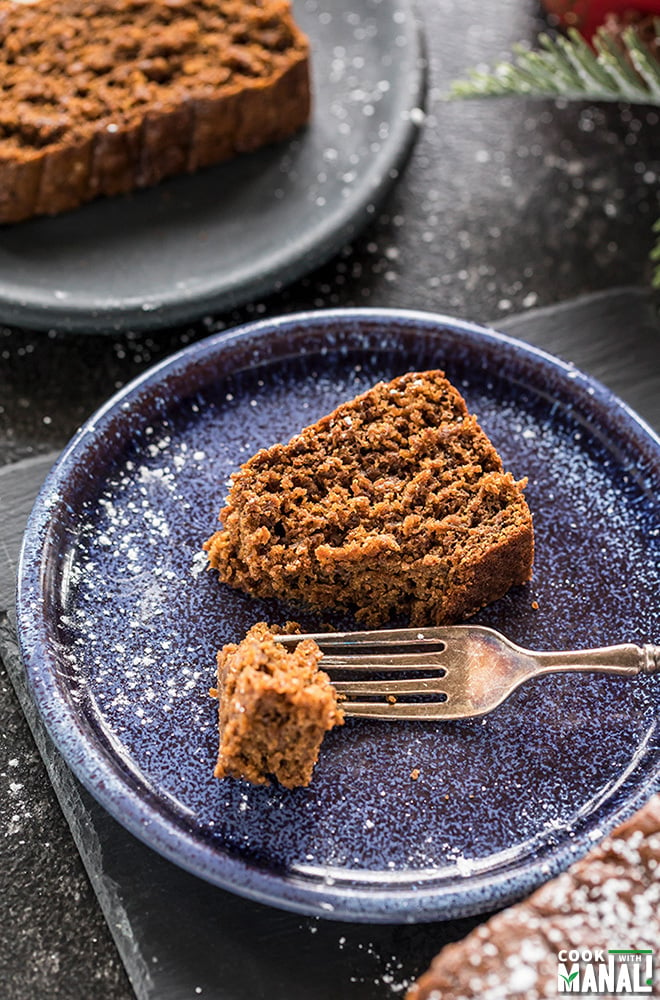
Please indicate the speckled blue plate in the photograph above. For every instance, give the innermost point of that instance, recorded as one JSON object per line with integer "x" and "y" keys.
{"x": 119, "y": 628}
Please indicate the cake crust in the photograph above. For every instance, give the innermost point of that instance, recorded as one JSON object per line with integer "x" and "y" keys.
{"x": 394, "y": 506}
{"x": 275, "y": 707}
{"x": 103, "y": 96}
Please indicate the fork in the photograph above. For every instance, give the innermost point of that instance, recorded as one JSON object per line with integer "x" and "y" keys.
{"x": 469, "y": 669}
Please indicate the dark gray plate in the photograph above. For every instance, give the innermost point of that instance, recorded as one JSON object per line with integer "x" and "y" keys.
{"x": 228, "y": 234}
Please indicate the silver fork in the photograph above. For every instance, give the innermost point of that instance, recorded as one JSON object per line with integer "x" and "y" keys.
{"x": 469, "y": 669}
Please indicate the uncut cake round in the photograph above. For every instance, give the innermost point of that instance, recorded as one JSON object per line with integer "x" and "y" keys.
{"x": 394, "y": 506}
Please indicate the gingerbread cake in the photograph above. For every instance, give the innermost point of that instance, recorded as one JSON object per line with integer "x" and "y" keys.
{"x": 608, "y": 900}
{"x": 100, "y": 97}
{"x": 275, "y": 707}
{"x": 394, "y": 506}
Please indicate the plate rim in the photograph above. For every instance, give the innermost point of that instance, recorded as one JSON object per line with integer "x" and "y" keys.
{"x": 42, "y": 311}
{"x": 346, "y": 900}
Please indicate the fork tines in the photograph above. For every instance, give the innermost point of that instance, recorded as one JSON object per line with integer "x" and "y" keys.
{"x": 386, "y": 651}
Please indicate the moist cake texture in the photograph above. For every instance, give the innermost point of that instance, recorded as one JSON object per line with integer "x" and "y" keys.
{"x": 609, "y": 899}
{"x": 103, "y": 96}
{"x": 275, "y": 707}
{"x": 394, "y": 506}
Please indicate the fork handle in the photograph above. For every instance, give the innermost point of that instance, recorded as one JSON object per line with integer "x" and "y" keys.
{"x": 627, "y": 659}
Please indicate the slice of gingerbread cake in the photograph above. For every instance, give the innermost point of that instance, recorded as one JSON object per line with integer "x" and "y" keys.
{"x": 393, "y": 507}
{"x": 275, "y": 707}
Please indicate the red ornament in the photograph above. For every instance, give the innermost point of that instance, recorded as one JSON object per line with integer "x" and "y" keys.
{"x": 588, "y": 15}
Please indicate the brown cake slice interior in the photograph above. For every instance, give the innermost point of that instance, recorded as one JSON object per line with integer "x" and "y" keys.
{"x": 394, "y": 506}
{"x": 275, "y": 707}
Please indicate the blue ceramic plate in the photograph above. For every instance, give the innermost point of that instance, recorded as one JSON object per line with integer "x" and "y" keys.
{"x": 119, "y": 628}
{"x": 229, "y": 234}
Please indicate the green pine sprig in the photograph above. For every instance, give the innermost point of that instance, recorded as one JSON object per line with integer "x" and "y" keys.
{"x": 616, "y": 69}
{"x": 655, "y": 256}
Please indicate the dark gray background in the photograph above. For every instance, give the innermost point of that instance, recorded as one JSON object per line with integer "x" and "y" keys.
{"x": 505, "y": 207}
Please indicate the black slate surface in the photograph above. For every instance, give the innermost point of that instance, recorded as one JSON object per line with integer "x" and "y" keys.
{"x": 180, "y": 937}
{"x": 504, "y": 206}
